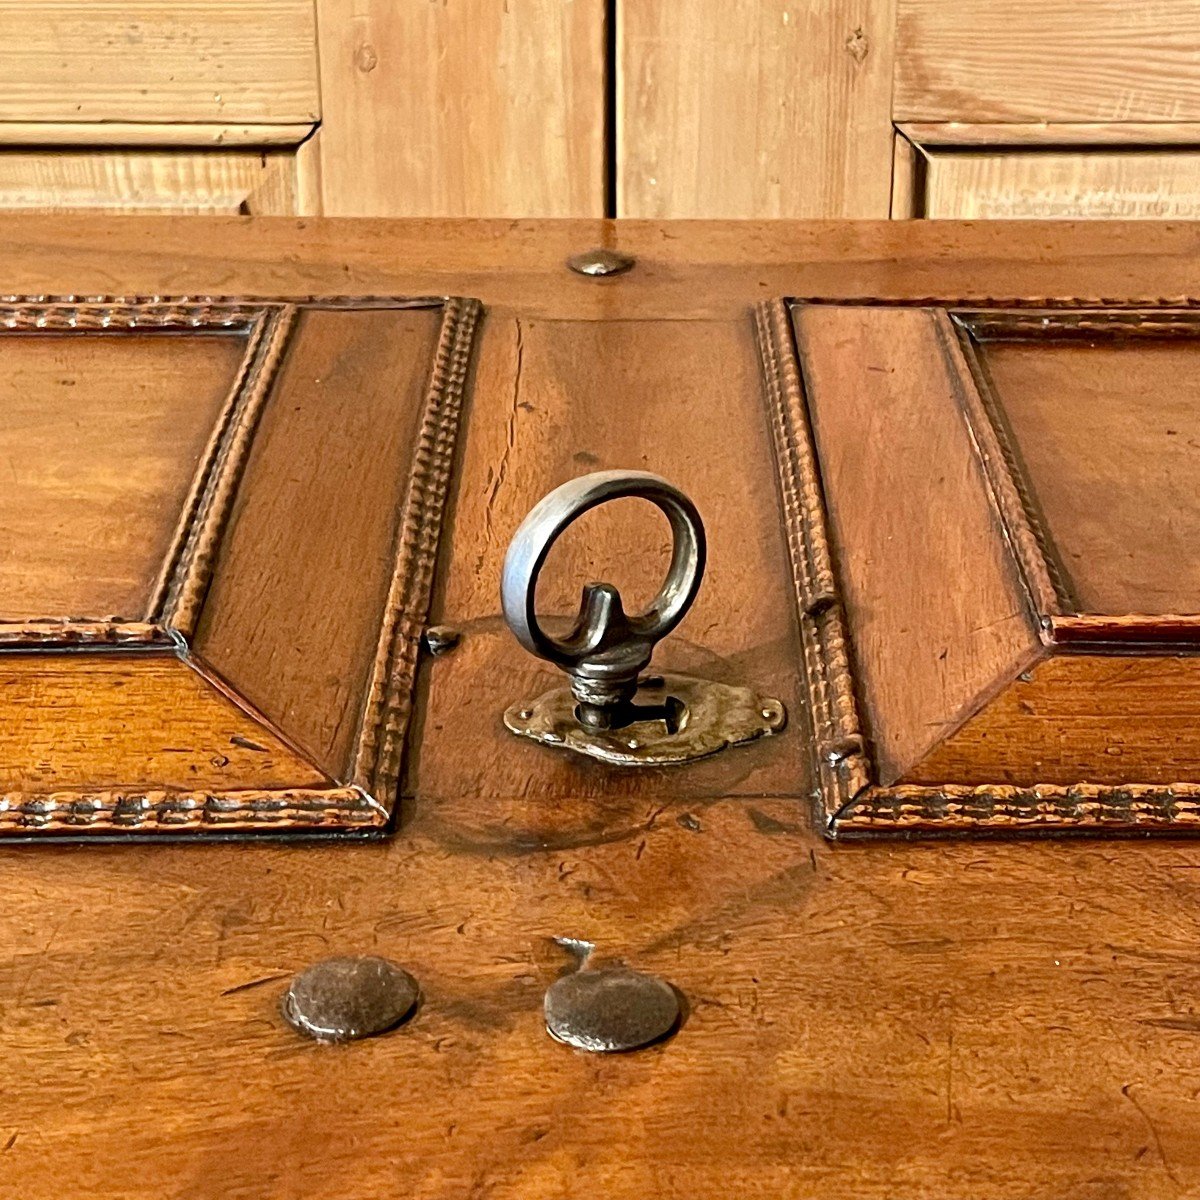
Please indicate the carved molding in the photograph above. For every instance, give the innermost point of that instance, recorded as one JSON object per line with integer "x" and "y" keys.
{"x": 164, "y": 811}
{"x": 852, "y": 802}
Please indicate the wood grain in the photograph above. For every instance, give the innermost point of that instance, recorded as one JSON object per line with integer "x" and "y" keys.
{"x": 100, "y": 442}
{"x": 986, "y": 1018}
{"x": 464, "y": 109}
{"x": 146, "y": 60}
{"x": 909, "y": 511}
{"x": 1096, "y": 719}
{"x": 694, "y": 270}
{"x": 890, "y": 1022}
{"x": 553, "y": 400}
{"x": 294, "y": 611}
{"x": 1107, "y": 431}
{"x": 1047, "y": 60}
{"x": 65, "y": 724}
{"x": 228, "y": 182}
{"x": 740, "y": 108}
{"x": 1066, "y": 183}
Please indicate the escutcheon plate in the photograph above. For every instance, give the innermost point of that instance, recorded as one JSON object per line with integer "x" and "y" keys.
{"x": 706, "y": 717}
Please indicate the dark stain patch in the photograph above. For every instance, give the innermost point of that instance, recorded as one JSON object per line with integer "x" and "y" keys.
{"x": 788, "y": 889}
{"x": 247, "y": 744}
{"x": 690, "y": 822}
{"x": 488, "y": 841}
{"x": 769, "y": 825}
{"x": 586, "y": 458}
{"x": 858, "y": 46}
{"x": 1184, "y": 1024}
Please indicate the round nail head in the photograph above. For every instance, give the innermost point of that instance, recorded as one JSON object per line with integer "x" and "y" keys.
{"x": 600, "y": 262}
{"x": 441, "y": 639}
{"x": 341, "y": 999}
{"x": 610, "y": 1009}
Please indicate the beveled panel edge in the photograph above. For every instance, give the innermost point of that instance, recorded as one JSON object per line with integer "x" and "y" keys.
{"x": 843, "y": 765}
{"x": 1063, "y": 624}
{"x": 383, "y": 726}
{"x": 1041, "y": 574}
{"x": 188, "y": 567}
{"x": 851, "y": 803}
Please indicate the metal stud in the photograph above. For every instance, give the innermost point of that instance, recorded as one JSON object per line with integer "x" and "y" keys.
{"x": 441, "y": 639}
{"x": 600, "y": 262}
{"x": 610, "y": 1009}
{"x": 342, "y": 999}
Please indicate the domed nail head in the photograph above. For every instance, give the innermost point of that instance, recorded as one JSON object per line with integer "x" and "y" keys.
{"x": 599, "y": 262}
{"x": 343, "y": 999}
{"x": 610, "y": 1010}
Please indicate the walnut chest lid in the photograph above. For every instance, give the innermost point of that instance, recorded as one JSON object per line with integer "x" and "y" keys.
{"x": 996, "y": 535}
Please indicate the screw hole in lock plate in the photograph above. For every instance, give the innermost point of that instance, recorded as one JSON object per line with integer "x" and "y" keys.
{"x": 610, "y": 711}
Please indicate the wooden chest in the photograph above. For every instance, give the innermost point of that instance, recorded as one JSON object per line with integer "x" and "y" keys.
{"x": 260, "y": 479}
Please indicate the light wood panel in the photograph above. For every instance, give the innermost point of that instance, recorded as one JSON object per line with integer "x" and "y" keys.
{"x": 1047, "y": 60}
{"x": 234, "y": 182}
{"x": 1063, "y": 184}
{"x": 740, "y": 108}
{"x": 100, "y": 441}
{"x": 909, "y": 508}
{"x": 146, "y": 60}
{"x": 472, "y": 108}
{"x": 64, "y": 725}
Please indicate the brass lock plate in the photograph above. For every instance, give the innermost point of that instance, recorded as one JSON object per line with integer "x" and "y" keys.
{"x": 687, "y": 719}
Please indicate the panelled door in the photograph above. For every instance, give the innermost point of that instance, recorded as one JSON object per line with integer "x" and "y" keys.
{"x": 632, "y": 108}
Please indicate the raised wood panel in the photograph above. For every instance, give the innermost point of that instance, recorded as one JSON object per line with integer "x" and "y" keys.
{"x": 1067, "y": 183}
{"x": 462, "y": 109}
{"x": 255, "y": 486}
{"x": 230, "y": 182}
{"x": 293, "y": 615}
{"x": 100, "y": 441}
{"x": 740, "y": 108}
{"x": 910, "y": 509}
{"x": 148, "y": 60}
{"x": 1047, "y": 60}
{"x": 65, "y": 722}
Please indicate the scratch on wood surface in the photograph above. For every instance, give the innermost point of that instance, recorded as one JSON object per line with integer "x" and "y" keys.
{"x": 1127, "y": 1092}
{"x": 253, "y": 983}
{"x": 510, "y": 432}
